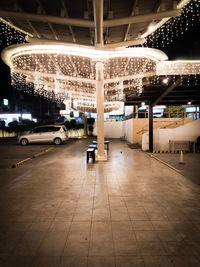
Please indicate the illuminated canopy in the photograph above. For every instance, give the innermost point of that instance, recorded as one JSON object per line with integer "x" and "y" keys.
{"x": 68, "y": 72}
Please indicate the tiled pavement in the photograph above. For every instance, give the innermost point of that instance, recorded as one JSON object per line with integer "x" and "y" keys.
{"x": 128, "y": 211}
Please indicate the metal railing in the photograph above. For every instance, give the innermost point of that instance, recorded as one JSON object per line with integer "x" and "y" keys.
{"x": 195, "y": 115}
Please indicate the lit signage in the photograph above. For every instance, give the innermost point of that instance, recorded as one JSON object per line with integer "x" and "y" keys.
{"x": 5, "y": 102}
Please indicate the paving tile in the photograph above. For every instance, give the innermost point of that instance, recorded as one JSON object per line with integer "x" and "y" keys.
{"x": 162, "y": 225}
{"x": 40, "y": 226}
{"x": 18, "y": 261}
{"x": 9, "y": 241}
{"x": 78, "y": 236}
{"x": 180, "y": 248}
{"x": 185, "y": 261}
{"x": 157, "y": 261}
{"x": 73, "y": 261}
{"x": 101, "y": 248}
{"x": 99, "y": 261}
{"x": 126, "y": 248}
{"x": 151, "y": 248}
{"x": 142, "y": 225}
{"x": 101, "y": 236}
{"x": 138, "y": 215}
{"x": 76, "y": 248}
{"x": 144, "y": 235}
{"x": 129, "y": 261}
{"x": 169, "y": 235}
{"x": 101, "y": 226}
{"x": 53, "y": 244}
{"x": 46, "y": 261}
{"x": 29, "y": 244}
{"x": 80, "y": 226}
{"x": 60, "y": 226}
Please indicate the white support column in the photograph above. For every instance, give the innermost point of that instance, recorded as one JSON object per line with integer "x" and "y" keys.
{"x": 101, "y": 153}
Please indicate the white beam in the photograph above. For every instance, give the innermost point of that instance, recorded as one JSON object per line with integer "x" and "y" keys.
{"x": 89, "y": 23}
{"x": 98, "y": 22}
{"x": 10, "y": 24}
{"x": 50, "y": 25}
{"x": 132, "y": 14}
{"x": 66, "y": 15}
{"x": 46, "y": 18}
{"x": 126, "y": 43}
{"x": 142, "y": 18}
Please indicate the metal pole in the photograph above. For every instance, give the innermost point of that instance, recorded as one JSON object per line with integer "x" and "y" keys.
{"x": 150, "y": 128}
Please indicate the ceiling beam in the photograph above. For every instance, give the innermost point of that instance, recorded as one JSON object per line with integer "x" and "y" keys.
{"x": 19, "y": 9}
{"x": 87, "y": 15}
{"x": 166, "y": 92}
{"x": 8, "y": 22}
{"x": 65, "y": 14}
{"x": 142, "y": 18}
{"x": 132, "y": 14}
{"x": 47, "y": 18}
{"x": 98, "y": 22}
{"x": 89, "y": 23}
{"x": 49, "y": 24}
{"x": 126, "y": 43}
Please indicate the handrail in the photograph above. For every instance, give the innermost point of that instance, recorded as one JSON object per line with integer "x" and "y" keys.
{"x": 163, "y": 127}
{"x": 144, "y": 115}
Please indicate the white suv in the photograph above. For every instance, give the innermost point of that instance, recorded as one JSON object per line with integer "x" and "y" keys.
{"x": 47, "y": 133}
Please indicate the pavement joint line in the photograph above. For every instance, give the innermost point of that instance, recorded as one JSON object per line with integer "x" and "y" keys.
{"x": 167, "y": 164}
{"x": 15, "y": 165}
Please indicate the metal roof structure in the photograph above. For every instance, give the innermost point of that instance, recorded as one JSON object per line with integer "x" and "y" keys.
{"x": 105, "y": 25}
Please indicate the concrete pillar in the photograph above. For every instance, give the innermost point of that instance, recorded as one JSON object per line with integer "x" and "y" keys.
{"x": 101, "y": 153}
{"x": 150, "y": 128}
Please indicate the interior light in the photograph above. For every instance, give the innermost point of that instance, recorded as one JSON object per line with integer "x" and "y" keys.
{"x": 165, "y": 80}
{"x": 152, "y": 26}
{"x": 143, "y": 104}
{"x": 189, "y": 102}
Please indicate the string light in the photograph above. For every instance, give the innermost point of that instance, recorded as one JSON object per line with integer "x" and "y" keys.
{"x": 68, "y": 72}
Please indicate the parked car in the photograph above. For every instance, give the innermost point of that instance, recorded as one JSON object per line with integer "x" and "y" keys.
{"x": 49, "y": 133}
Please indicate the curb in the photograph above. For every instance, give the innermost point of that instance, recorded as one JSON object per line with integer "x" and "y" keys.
{"x": 165, "y": 163}
{"x": 172, "y": 151}
{"x": 15, "y": 165}
{"x": 167, "y": 151}
{"x": 42, "y": 152}
{"x": 20, "y": 163}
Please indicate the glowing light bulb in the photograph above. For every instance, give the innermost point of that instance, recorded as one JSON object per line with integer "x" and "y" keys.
{"x": 165, "y": 81}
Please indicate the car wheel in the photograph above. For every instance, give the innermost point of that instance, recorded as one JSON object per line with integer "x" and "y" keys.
{"x": 57, "y": 141}
{"x": 24, "y": 142}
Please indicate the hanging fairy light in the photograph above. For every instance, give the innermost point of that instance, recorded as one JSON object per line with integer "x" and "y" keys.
{"x": 59, "y": 72}
{"x": 161, "y": 35}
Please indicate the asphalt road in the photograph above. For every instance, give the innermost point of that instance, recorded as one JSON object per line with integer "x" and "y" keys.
{"x": 12, "y": 153}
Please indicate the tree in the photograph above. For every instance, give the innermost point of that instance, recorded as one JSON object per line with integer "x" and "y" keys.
{"x": 90, "y": 122}
{"x": 174, "y": 111}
